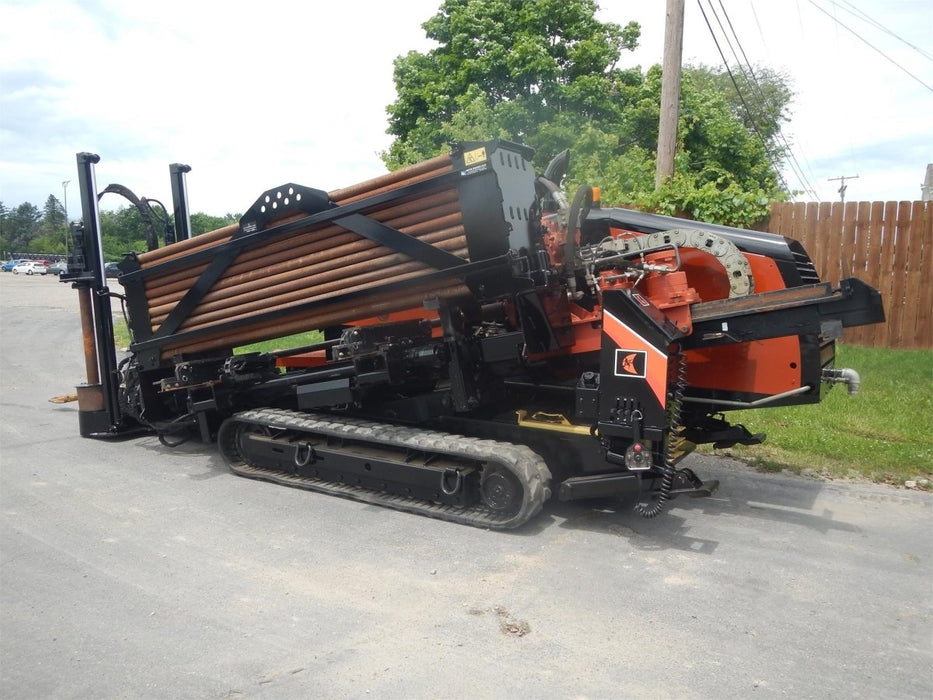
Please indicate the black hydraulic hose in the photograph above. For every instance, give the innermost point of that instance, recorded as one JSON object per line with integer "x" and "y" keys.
{"x": 582, "y": 201}
{"x": 545, "y": 186}
{"x": 667, "y": 480}
{"x": 168, "y": 227}
{"x": 164, "y": 215}
{"x": 142, "y": 206}
{"x": 557, "y": 168}
{"x": 546, "y": 189}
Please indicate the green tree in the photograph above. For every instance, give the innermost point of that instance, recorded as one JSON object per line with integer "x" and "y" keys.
{"x": 27, "y": 230}
{"x": 547, "y": 74}
{"x": 122, "y": 231}
{"x": 51, "y": 231}
{"x": 724, "y": 172}
{"x": 528, "y": 62}
{"x": 53, "y": 216}
{"x": 202, "y": 223}
{"x": 758, "y": 96}
{"x": 4, "y": 243}
{"x": 20, "y": 227}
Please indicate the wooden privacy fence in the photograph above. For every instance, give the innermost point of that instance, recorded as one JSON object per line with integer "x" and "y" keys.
{"x": 886, "y": 244}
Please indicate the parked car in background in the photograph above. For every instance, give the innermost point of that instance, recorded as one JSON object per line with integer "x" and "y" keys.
{"x": 30, "y": 267}
{"x": 10, "y": 264}
{"x": 57, "y": 268}
{"x": 111, "y": 269}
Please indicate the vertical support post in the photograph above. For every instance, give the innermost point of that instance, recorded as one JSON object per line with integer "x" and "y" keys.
{"x": 100, "y": 409}
{"x": 65, "y": 207}
{"x": 93, "y": 248}
{"x": 180, "y": 200}
{"x": 670, "y": 91}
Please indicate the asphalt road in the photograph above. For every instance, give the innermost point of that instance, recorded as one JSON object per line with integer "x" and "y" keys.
{"x": 131, "y": 570}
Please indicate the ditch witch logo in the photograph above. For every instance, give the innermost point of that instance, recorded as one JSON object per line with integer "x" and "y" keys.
{"x": 631, "y": 363}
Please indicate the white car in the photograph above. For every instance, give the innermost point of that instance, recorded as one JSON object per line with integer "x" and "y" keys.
{"x": 30, "y": 268}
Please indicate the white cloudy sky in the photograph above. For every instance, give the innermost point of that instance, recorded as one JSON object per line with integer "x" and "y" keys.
{"x": 255, "y": 95}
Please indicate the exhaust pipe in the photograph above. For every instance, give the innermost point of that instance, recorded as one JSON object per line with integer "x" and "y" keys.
{"x": 844, "y": 375}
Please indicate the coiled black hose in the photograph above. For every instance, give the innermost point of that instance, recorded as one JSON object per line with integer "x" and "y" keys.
{"x": 674, "y": 404}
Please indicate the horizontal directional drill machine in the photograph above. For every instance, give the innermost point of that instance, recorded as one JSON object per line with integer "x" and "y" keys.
{"x": 485, "y": 342}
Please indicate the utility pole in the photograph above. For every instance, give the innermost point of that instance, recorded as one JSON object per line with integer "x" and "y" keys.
{"x": 670, "y": 90}
{"x": 842, "y": 185}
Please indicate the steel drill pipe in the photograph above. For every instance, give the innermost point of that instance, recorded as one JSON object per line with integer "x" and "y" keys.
{"x": 312, "y": 254}
{"x": 335, "y": 268}
{"x": 160, "y": 291}
{"x": 339, "y": 314}
{"x": 362, "y": 281}
{"x": 334, "y": 278}
{"x": 345, "y": 276}
{"x": 389, "y": 188}
{"x": 423, "y": 170}
{"x": 187, "y": 246}
{"x": 158, "y": 286}
{"x": 399, "y": 178}
{"x": 206, "y": 241}
{"x": 314, "y": 263}
{"x": 401, "y": 215}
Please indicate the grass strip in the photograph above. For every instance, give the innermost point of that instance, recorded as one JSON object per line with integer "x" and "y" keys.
{"x": 884, "y": 433}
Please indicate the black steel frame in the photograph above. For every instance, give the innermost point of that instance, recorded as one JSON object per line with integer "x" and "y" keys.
{"x": 95, "y": 279}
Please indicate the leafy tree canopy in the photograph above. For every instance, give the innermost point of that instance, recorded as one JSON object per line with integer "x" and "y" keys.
{"x": 19, "y": 226}
{"x": 547, "y": 73}
{"x": 51, "y": 229}
{"x": 123, "y": 230}
{"x": 202, "y": 223}
{"x": 27, "y": 229}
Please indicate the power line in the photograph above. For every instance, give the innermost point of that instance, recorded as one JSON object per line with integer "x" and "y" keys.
{"x": 779, "y": 135}
{"x": 742, "y": 97}
{"x": 760, "y": 32}
{"x": 764, "y": 44}
{"x": 877, "y": 25}
{"x": 869, "y": 44}
{"x": 751, "y": 115}
{"x": 753, "y": 79}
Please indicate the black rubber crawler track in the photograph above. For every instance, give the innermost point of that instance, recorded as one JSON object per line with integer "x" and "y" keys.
{"x": 519, "y": 460}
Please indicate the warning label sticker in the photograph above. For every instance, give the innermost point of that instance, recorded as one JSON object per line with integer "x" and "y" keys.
{"x": 477, "y": 155}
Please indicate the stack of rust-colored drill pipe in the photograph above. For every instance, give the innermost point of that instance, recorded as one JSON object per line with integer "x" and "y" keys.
{"x": 312, "y": 264}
